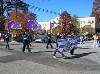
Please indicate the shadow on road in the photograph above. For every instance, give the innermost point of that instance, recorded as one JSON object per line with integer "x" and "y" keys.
{"x": 42, "y": 51}
{"x": 83, "y": 48}
{"x": 83, "y": 54}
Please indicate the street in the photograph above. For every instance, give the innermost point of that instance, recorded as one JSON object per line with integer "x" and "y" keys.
{"x": 85, "y": 61}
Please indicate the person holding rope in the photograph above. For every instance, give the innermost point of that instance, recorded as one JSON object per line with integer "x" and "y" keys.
{"x": 57, "y": 46}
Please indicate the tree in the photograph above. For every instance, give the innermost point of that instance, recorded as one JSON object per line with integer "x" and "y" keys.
{"x": 17, "y": 4}
{"x": 87, "y": 28}
{"x": 1, "y": 16}
{"x": 22, "y": 19}
{"x": 18, "y": 13}
{"x": 9, "y": 5}
{"x": 66, "y": 23}
{"x": 1, "y": 7}
{"x": 76, "y": 24}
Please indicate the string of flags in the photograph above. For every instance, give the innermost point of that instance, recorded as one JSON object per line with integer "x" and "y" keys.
{"x": 35, "y": 8}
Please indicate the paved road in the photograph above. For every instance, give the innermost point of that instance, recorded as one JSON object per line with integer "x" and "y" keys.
{"x": 40, "y": 61}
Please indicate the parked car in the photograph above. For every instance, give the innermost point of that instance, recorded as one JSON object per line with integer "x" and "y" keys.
{"x": 44, "y": 39}
{"x": 38, "y": 40}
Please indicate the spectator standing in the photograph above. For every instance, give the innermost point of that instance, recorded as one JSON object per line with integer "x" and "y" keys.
{"x": 98, "y": 40}
{"x": 95, "y": 43}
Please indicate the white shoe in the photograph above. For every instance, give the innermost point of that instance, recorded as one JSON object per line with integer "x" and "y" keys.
{"x": 54, "y": 57}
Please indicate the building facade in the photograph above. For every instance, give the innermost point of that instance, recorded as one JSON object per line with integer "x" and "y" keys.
{"x": 45, "y": 25}
{"x": 87, "y": 24}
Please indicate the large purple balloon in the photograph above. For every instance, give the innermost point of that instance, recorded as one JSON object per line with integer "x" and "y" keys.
{"x": 33, "y": 25}
{"x": 10, "y": 23}
{"x": 14, "y": 25}
{"x": 30, "y": 24}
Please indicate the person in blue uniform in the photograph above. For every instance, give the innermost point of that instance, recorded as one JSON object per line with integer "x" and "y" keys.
{"x": 6, "y": 40}
{"x": 30, "y": 39}
{"x": 57, "y": 47}
{"x": 73, "y": 43}
{"x": 49, "y": 41}
{"x": 26, "y": 42}
{"x": 81, "y": 39}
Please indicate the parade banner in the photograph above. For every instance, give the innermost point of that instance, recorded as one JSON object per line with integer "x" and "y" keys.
{"x": 66, "y": 44}
{"x": 61, "y": 43}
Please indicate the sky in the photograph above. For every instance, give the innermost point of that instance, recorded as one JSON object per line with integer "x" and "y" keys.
{"x": 81, "y": 8}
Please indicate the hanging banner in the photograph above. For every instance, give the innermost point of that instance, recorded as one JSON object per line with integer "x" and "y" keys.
{"x": 51, "y": 26}
{"x": 14, "y": 25}
{"x": 32, "y": 25}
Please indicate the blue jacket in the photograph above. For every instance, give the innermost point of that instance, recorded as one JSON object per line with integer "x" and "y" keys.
{"x": 6, "y": 38}
{"x": 25, "y": 39}
{"x": 49, "y": 39}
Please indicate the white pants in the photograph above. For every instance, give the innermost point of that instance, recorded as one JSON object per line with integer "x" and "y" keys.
{"x": 95, "y": 44}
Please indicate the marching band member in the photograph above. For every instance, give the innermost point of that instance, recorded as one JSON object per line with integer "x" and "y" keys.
{"x": 57, "y": 46}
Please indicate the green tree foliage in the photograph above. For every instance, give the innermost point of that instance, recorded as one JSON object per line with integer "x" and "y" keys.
{"x": 76, "y": 24}
{"x": 14, "y": 6}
